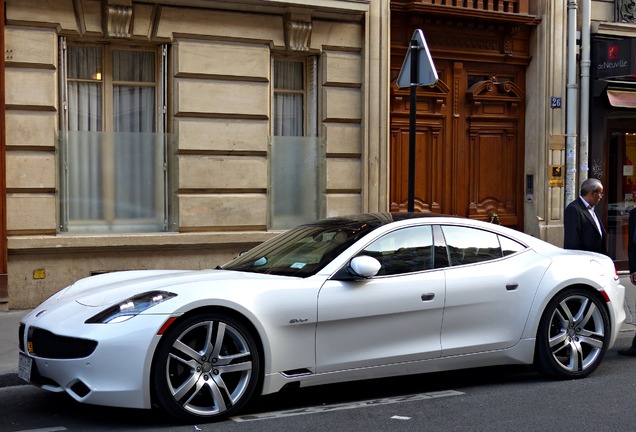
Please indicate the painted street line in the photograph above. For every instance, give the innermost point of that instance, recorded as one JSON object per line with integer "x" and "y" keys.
{"x": 53, "y": 429}
{"x": 344, "y": 406}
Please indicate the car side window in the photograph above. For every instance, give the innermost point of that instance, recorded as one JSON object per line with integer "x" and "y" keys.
{"x": 509, "y": 247}
{"x": 470, "y": 245}
{"x": 402, "y": 251}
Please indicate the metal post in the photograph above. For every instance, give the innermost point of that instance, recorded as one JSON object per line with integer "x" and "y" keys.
{"x": 414, "y": 52}
{"x": 571, "y": 108}
{"x": 584, "y": 103}
{"x": 4, "y": 277}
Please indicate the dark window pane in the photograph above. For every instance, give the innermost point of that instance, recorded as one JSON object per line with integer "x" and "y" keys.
{"x": 469, "y": 245}
{"x": 403, "y": 251}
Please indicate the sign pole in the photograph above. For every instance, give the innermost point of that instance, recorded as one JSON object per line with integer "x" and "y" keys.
{"x": 417, "y": 70}
{"x": 414, "y": 51}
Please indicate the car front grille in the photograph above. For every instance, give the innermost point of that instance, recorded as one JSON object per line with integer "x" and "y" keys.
{"x": 43, "y": 343}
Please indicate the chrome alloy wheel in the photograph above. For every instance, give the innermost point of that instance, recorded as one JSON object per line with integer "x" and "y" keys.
{"x": 572, "y": 335}
{"x": 577, "y": 333}
{"x": 209, "y": 369}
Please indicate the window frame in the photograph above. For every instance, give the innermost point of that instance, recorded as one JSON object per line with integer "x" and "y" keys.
{"x": 309, "y": 91}
{"x": 304, "y": 152}
{"x": 109, "y": 222}
{"x": 439, "y": 255}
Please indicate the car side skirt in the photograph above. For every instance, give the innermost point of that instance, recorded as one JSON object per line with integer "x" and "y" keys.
{"x": 520, "y": 354}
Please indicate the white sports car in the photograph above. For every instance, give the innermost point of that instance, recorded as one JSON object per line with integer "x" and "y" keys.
{"x": 340, "y": 299}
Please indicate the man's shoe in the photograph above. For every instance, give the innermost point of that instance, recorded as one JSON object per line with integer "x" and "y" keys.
{"x": 631, "y": 351}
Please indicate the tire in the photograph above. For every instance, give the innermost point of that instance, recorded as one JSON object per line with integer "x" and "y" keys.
{"x": 573, "y": 335}
{"x": 206, "y": 368}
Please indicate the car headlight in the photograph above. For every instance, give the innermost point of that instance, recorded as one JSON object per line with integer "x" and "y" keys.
{"x": 130, "y": 307}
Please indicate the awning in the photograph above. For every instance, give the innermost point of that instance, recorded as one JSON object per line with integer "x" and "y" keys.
{"x": 622, "y": 98}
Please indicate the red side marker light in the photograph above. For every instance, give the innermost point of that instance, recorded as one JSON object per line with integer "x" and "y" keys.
{"x": 605, "y": 296}
{"x": 165, "y": 325}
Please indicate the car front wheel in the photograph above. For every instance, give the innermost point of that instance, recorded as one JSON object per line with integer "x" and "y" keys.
{"x": 206, "y": 368}
{"x": 573, "y": 335}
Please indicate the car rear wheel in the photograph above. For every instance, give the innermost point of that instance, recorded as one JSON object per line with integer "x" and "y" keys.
{"x": 206, "y": 368}
{"x": 573, "y": 335}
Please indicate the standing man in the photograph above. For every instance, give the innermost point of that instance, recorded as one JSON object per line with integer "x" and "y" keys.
{"x": 631, "y": 254}
{"x": 583, "y": 228}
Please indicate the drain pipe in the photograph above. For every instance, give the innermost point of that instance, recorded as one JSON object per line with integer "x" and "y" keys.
{"x": 4, "y": 263}
{"x": 571, "y": 108}
{"x": 585, "y": 91}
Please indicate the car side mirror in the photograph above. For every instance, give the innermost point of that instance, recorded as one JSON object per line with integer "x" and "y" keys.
{"x": 360, "y": 267}
{"x": 364, "y": 266}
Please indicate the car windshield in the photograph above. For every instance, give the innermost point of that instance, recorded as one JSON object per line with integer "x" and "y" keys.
{"x": 304, "y": 250}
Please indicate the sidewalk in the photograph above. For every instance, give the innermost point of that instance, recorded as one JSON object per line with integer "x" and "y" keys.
{"x": 9, "y": 322}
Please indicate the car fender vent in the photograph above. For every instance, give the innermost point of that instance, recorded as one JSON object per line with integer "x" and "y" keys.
{"x": 296, "y": 373}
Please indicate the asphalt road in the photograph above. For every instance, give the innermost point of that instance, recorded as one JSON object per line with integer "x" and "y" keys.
{"x": 488, "y": 399}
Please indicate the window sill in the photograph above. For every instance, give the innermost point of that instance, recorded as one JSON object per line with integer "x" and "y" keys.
{"x": 74, "y": 242}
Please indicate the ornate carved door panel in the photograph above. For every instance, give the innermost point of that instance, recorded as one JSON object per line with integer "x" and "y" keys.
{"x": 495, "y": 151}
{"x": 470, "y": 125}
{"x": 433, "y": 153}
{"x": 469, "y": 143}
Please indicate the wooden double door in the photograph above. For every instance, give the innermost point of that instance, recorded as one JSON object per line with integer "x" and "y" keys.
{"x": 469, "y": 143}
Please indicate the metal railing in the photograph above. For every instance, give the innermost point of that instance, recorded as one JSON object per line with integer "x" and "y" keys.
{"x": 506, "y": 6}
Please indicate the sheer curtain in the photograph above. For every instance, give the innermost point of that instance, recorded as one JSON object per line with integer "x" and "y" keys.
{"x": 114, "y": 169}
{"x": 288, "y": 122}
{"x": 288, "y": 98}
{"x": 295, "y": 163}
{"x": 85, "y": 189}
{"x": 134, "y": 123}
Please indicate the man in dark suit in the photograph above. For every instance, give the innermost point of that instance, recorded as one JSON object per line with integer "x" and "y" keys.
{"x": 631, "y": 254}
{"x": 582, "y": 226}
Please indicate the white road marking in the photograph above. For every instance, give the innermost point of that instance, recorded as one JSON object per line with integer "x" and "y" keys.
{"x": 397, "y": 417}
{"x": 346, "y": 405}
{"x": 53, "y": 429}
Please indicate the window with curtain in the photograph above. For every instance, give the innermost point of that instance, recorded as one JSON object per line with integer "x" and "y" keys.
{"x": 289, "y": 98}
{"x": 296, "y": 167}
{"x": 113, "y": 151}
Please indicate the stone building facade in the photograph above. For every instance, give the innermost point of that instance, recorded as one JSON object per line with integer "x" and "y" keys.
{"x": 177, "y": 133}
{"x": 226, "y": 83}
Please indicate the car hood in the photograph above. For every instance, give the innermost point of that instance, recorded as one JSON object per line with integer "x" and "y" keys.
{"x": 110, "y": 288}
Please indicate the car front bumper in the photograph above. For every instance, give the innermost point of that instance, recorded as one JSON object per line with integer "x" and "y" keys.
{"x": 114, "y": 373}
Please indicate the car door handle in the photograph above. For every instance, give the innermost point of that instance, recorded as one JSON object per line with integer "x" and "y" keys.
{"x": 428, "y": 296}
{"x": 512, "y": 286}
